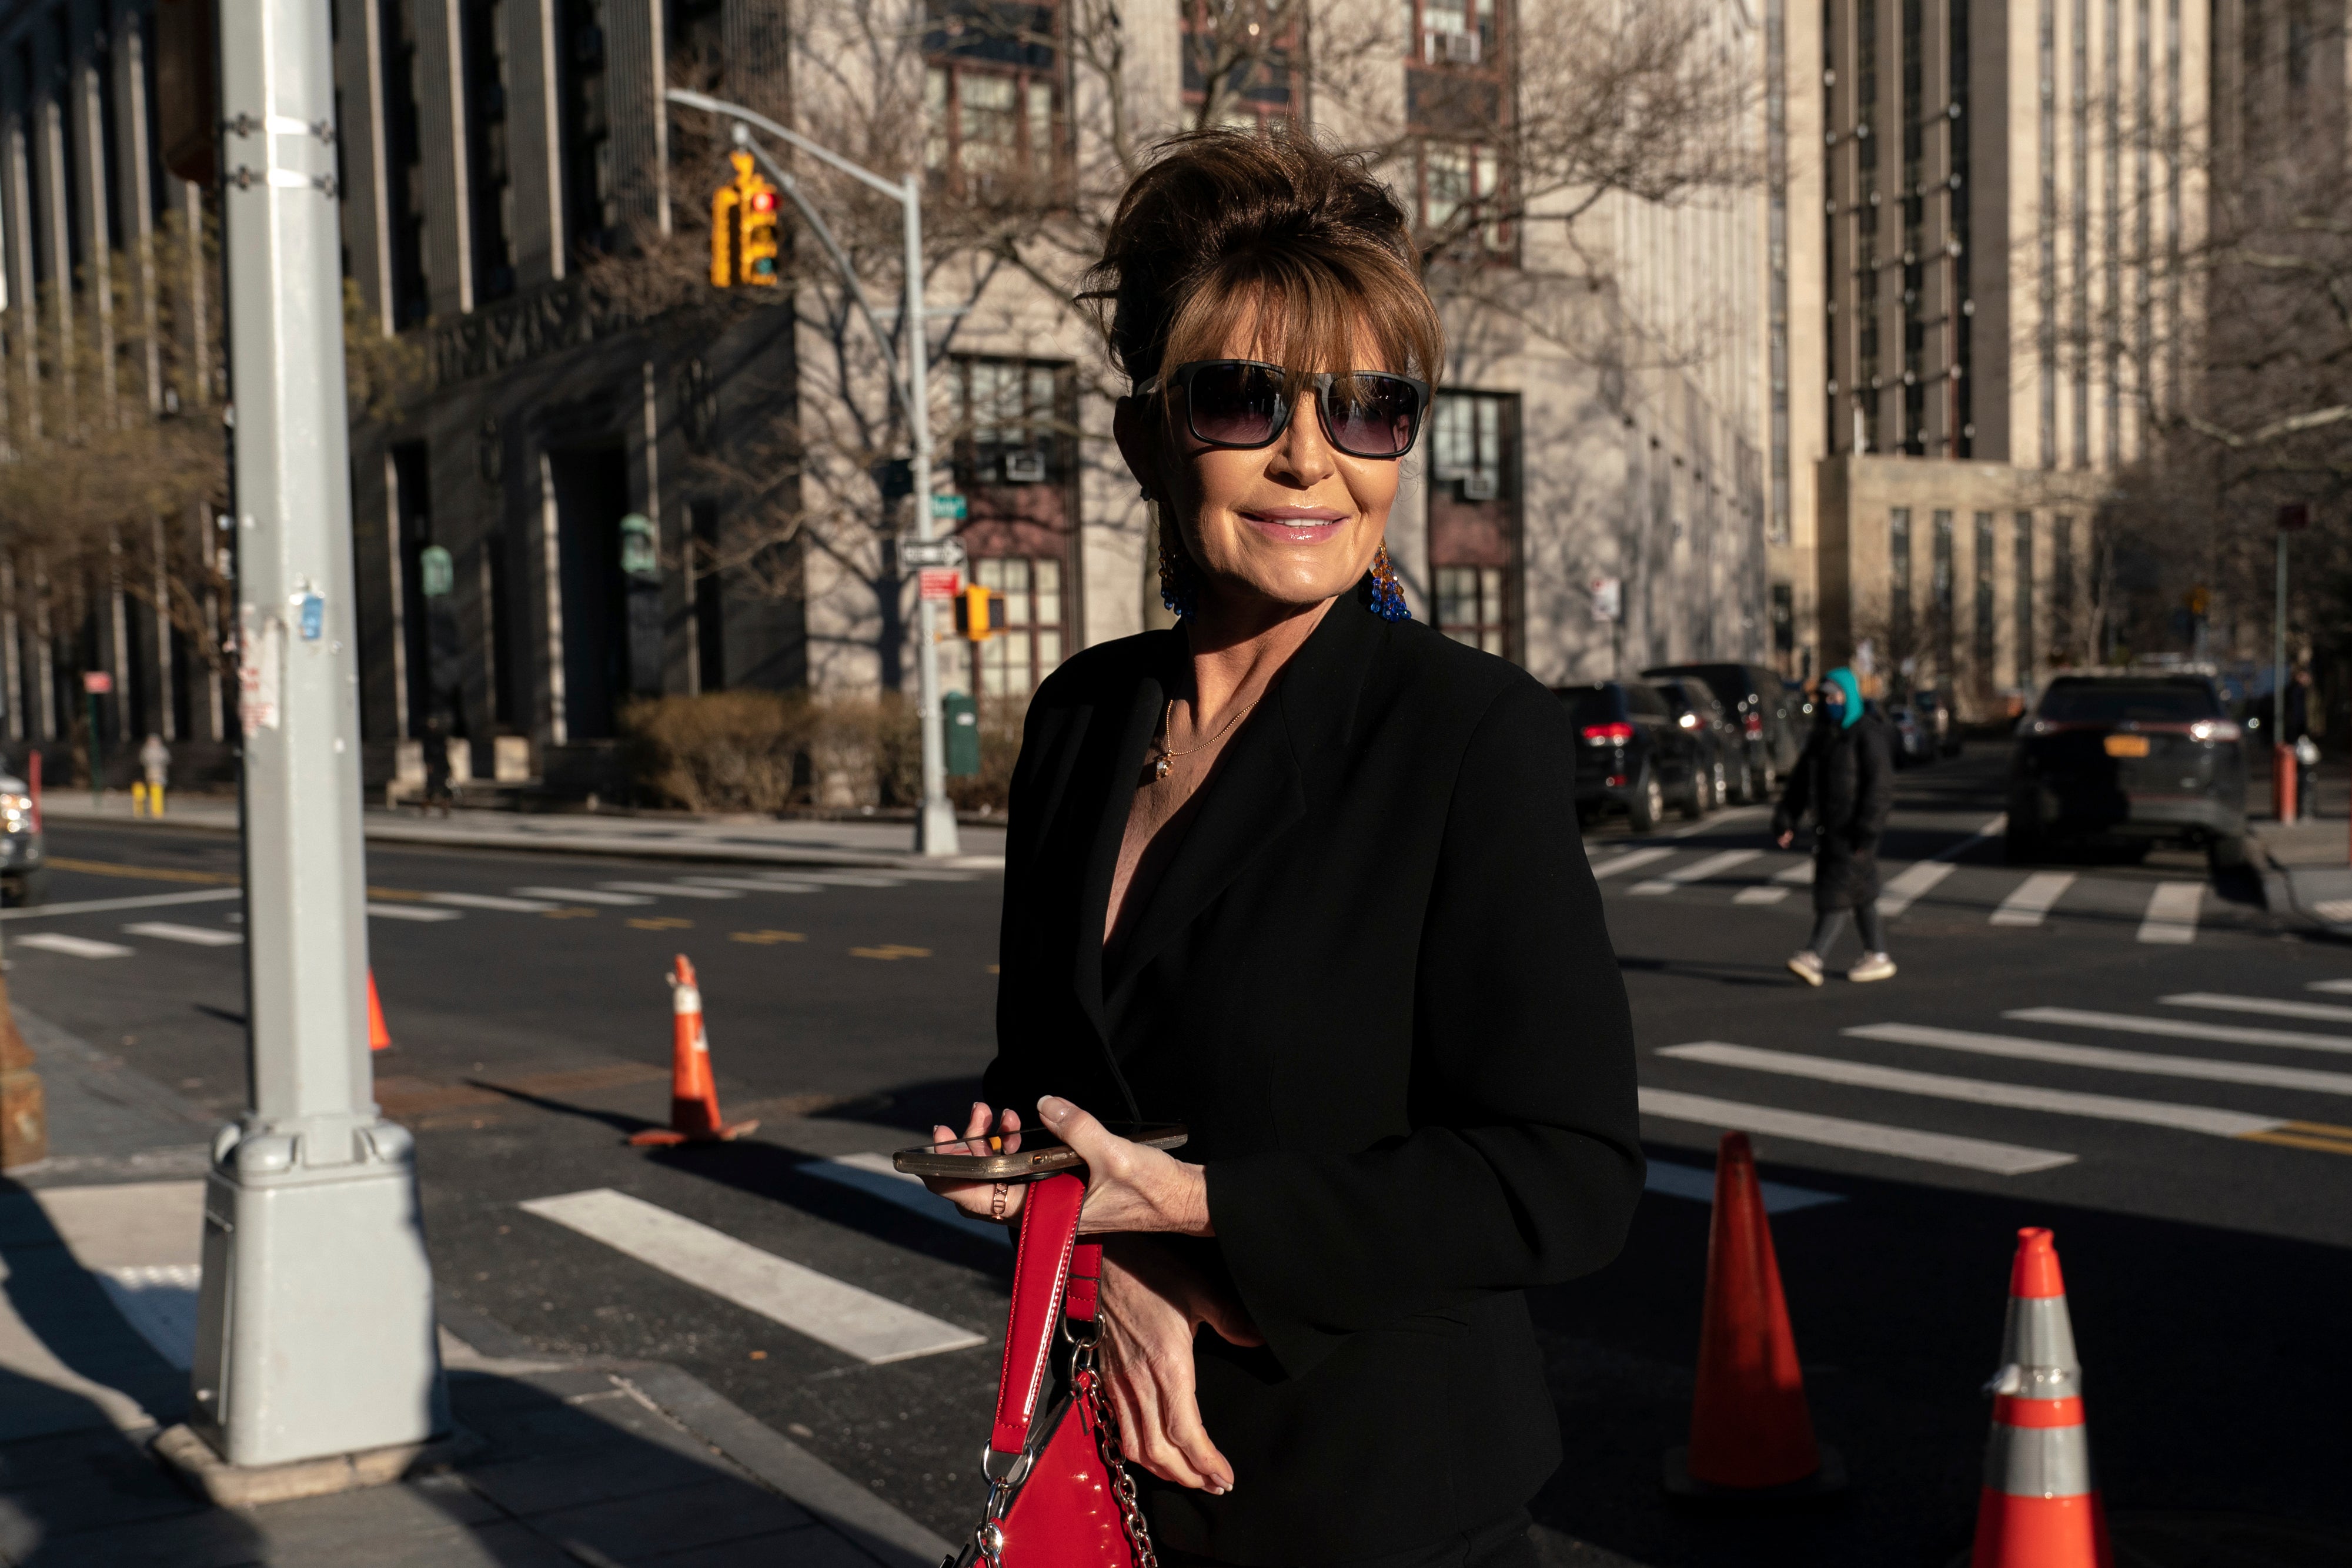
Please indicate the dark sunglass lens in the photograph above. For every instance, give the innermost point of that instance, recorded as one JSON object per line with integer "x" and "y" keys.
{"x": 1237, "y": 405}
{"x": 1377, "y": 419}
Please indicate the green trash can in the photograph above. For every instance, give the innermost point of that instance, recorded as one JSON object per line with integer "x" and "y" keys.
{"x": 962, "y": 716}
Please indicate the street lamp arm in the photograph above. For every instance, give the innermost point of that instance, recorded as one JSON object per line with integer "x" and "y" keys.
{"x": 890, "y": 188}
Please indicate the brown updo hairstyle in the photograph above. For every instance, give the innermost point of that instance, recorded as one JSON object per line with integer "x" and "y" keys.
{"x": 1225, "y": 225}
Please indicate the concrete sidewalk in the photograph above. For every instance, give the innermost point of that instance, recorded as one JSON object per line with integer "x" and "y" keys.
{"x": 750, "y": 840}
{"x": 586, "y": 1463}
{"x": 2306, "y": 865}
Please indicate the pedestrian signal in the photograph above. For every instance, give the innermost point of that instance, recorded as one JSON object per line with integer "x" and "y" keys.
{"x": 979, "y": 613}
{"x": 743, "y": 228}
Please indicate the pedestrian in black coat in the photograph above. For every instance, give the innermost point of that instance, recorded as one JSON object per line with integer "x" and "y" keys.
{"x": 1844, "y": 783}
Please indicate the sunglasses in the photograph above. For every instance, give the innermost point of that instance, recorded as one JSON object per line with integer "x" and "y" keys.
{"x": 1244, "y": 404}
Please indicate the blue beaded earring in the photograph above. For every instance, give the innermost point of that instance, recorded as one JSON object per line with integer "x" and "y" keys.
{"x": 1387, "y": 593}
{"x": 1180, "y": 587}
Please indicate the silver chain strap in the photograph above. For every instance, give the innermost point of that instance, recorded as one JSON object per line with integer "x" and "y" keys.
{"x": 1122, "y": 1485}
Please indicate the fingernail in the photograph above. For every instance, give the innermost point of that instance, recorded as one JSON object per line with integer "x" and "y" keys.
{"x": 1053, "y": 1108}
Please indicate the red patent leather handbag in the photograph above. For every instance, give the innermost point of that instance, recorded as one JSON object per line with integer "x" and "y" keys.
{"x": 1058, "y": 1496}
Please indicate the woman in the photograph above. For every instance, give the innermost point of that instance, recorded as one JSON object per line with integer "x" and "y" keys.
{"x": 1845, "y": 783}
{"x": 1303, "y": 877}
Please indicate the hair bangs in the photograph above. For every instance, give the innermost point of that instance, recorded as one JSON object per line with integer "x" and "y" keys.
{"x": 1336, "y": 312}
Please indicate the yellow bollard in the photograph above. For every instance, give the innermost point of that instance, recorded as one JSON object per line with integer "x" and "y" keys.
{"x": 138, "y": 798}
{"x": 155, "y": 799}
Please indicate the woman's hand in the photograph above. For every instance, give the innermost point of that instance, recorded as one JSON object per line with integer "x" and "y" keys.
{"x": 1130, "y": 1185}
{"x": 1152, "y": 1301}
{"x": 996, "y": 1200}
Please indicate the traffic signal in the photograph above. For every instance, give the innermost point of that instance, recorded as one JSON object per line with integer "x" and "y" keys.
{"x": 722, "y": 238}
{"x": 743, "y": 228}
{"x": 979, "y": 613}
{"x": 759, "y": 267}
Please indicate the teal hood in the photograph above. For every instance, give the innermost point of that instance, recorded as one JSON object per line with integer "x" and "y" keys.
{"x": 1842, "y": 678}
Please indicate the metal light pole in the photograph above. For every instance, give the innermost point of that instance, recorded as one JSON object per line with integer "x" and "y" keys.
{"x": 935, "y": 829}
{"x": 315, "y": 1329}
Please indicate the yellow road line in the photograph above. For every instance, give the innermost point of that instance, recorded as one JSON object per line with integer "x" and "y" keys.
{"x": 765, "y": 937}
{"x": 145, "y": 873}
{"x": 891, "y": 953}
{"x": 2286, "y": 1139}
{"x": 661, "y": 922}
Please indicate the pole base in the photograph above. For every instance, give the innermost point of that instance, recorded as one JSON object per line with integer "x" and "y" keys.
{"x": 1825, "y": 1482}
{"x": 664, "y": 1138}
{"x": 935, "y": 831}
{"x": 195, "y": 1466}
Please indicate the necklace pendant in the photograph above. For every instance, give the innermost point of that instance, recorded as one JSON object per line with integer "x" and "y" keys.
{"x": 1161, "y": 768}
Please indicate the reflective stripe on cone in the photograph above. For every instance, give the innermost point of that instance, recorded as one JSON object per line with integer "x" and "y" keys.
{"x": 2040, "y": 1506}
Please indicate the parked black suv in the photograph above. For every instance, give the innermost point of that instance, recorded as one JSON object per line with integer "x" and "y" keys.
{"x": 1632, "y": 753}
{"x": 1723, "y": 750}
{"x": 1761, "y": 704}
{"x": 2129, "y": 757}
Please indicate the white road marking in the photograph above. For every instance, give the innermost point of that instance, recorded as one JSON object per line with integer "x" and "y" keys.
{"x": 874, "y": 1175}
{"x": 1721, "y": 819}
{"x": 900, "y": 874}
{"x": 583, "y": 895}
{"x": 75, "y": 947}
{"x": 857, "y": 1322}
{"x": 671, "y": 890}
{"x": 1841, "y": 1133}
{"x": 2172, "y": 911}
{"x": 491, "y": 901}
{"x": 850, "y": 878}
{"x": 1669, "y": 1179}
{"x": 1761, "y": 894}
{"x": 1698, "y": 870}
{"x": 1910, "y": 885}
{"x": 750, "y": 885}
{"x": 1798, "y": 875}
{"x": 2336, "y": 987}
{"x": 1631, "y": 860}
{"x": 411, "y": 912}
{"x": 2033, "y": 898}
{"x": 2154, "y": 1063}
{"x": 2320, "y": 1012}
{"x": 2207, "y": 1119}
{"x": 100, "y": 905}
{"x": 2181, "y": 1029}
{"x": 194, "y": 936}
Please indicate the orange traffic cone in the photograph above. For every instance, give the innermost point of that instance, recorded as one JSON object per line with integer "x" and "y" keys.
{"x": 1752, "y": 1435}
{"x": 379, "y": 1037}
{"x": 2039, "y": 1508}
{"x": 694, "y": 1115}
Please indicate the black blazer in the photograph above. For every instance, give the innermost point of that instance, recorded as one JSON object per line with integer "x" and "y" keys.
{"x": 1376, "y": 983}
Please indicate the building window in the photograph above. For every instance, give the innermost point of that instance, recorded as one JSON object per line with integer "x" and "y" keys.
{"x": 1025, "y": 652}
{"x": 1784, "y": 625}
{"x": 1473, "y": 518}
{"x": 2025, "y": 602}
{"x": 1942, "y": 588}
{"x": 1013, "y": 423}
{"x": 591, "y": 206}
{"x": 2061, "y": 590}
{"x": 412, "y": 298}
{"x": 1457, "y": 105}
{"x": 992, "y": 94}
{"x": 1985, "y": 629}
{"x": 1899, "y": 651}
{"x": 1237, "y": 64}
{"x": 489, "y": 182}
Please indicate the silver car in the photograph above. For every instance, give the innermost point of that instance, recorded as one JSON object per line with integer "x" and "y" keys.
{"x": 24, "y": 858}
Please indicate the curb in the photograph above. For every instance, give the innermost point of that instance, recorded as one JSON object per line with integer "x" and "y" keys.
{"x": 2279, "y": 894}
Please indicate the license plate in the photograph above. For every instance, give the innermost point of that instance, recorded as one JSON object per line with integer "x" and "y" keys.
{"x": 2126, "y": 746}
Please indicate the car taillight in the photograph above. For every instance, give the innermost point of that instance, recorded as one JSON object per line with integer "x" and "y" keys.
{"x": 1754, "y": 725}
{"x": 1608, "y": 733}
{"x": 2215, "y": 729}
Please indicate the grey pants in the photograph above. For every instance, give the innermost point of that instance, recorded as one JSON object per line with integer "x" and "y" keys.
{"x": 1828, "y": 925}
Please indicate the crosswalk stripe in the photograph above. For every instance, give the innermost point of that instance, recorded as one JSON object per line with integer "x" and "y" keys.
{"x": 2172, "y": 911}
{"x": 2336, "y": 987}
{"x": 2182, "y": 1029}
{"x": 1910, "y": 885}
{"x": 75, "y": 947}
{"x": 2154, "y": 1063}
{"x": 411, "y": 912}
{"x": 857, "y": 1322}
{"x": 1698, "y": 870}
{"x": 874, "y": 1175}
{"x": 2208, "y": 1119}
{"x": 194, "y": 936}
{"x": 1761, "y": 894}
{"x": 1668, "y": 1179}
{"x": 490, "y": 901}
{"x": 2320, "y": 1012}
{"x": 2032, "y": 899}
{"x": 1842, "y": 1133}
{"x": 671, "y": 890}
{"x": 98, "y": 905}
{"x": 583, "y": 895}
{"x": 1631, "y": 860}
{"x": 1798, "y": 875}
{"x": 850, "y": 878}
{"x": 750, "y": 885}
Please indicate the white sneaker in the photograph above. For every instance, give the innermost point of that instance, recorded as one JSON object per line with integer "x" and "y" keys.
{"x": 1874, "y": 967}
{"x": 1807, "y": 967}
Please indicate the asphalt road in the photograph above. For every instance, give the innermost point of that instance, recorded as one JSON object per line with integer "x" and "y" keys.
{"x": 2206, "y": 1250}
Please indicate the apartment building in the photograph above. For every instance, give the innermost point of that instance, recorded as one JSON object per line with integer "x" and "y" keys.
{"x": 1982, "y": 200}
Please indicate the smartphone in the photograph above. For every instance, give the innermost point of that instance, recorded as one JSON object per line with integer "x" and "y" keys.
{"x": 1020, "y": 1156}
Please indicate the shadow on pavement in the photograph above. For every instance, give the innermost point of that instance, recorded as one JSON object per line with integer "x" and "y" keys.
{"x": 1897, "y": 1297}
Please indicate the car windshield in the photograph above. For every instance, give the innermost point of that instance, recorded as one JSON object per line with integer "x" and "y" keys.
{"x": 1589, "y": 706}
{"x": 2128, "y": 701}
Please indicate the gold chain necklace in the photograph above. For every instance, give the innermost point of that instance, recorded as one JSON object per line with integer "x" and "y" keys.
{"x": 1167, "y": 763}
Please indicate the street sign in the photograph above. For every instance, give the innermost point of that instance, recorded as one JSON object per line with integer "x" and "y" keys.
{"x": 1608, "y": 598}
{"x": 940, "y": 583}
{"x": 918, "y": 554}
{"x": 97, "y": 682}
{"x": 949, "y": 509}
